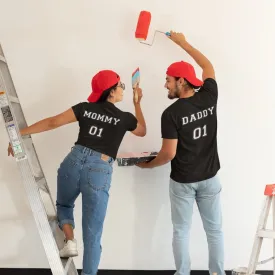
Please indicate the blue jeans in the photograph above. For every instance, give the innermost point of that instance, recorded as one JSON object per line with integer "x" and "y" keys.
{"x": 207, "y": 196}
{"x": 84, "y": 171}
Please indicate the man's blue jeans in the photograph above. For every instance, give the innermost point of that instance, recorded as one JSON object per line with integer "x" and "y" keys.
{"x": 207, "y": 196}
{"x": 85, "y": 171}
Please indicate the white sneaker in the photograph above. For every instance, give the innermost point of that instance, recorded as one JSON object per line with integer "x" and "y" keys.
{"x": 69, "y": 249}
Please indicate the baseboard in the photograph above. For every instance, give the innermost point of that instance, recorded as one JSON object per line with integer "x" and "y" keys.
{"x": 36, "y": 271}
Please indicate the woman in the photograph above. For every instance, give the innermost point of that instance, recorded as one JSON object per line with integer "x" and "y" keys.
{"x": 87, "y": 169}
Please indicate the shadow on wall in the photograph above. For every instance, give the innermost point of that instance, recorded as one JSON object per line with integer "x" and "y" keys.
{"x": 56, "y": 96}
{"x": 152, "y": 207}
{"x": 18, "y": 227}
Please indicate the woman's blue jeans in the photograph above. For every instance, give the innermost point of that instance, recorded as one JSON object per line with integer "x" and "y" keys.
{"x": 87, "y": 172}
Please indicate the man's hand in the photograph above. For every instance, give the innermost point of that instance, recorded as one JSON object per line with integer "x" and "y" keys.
{"x": 166, "y": 154}
{"x": 177, "y": 37}
{"x": 137, "y": 94}
{"x": 207, "y": 68}
{"x": 10, "y": 150}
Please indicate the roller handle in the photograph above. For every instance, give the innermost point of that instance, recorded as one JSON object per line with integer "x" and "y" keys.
{"x": 166, "y": 33}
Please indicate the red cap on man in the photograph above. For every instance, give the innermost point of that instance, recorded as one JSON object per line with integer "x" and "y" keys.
{"x": 102, "y": 81}
{"x": 184, "y": 70}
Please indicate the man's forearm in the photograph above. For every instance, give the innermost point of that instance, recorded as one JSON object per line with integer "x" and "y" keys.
{"x": 139, "y": 115}
{"x": 200, "y": 59}
{"x": 161, "y": 159}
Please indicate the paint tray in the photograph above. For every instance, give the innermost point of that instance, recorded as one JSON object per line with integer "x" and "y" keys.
{"x": 130, "y": 159}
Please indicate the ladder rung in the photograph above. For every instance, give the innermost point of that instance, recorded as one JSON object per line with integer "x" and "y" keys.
{"x": 266, "y": 261}
{"x": 67, "y": 266}
{"x": 52, "y": 218}
{"x": 270, "y": 234}
{"x": 42, "y": 184}
{"x": 27, "y": 137}
{"x": 2, "y": 58}
{"x": 14, "y": 99}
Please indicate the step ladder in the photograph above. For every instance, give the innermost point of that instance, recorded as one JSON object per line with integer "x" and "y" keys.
{"x": 36, "y": 187}
{"x": 261, "y": 233}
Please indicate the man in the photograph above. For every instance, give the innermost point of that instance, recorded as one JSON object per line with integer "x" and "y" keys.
{"x": 189, "y": 133}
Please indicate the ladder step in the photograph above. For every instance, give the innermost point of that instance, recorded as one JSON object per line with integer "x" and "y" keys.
{"x": 42, "y": 184}
{"x": 52, "y": 218}
{"x": 2, "y": 58}
{"x": 67, "y": 264}
{"x": 53, "y": 224}
{"x": 270, "y": 234}
{"x": 14, "y": 99}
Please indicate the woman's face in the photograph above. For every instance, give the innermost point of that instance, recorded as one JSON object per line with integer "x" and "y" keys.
{"x": 117, "y": 94}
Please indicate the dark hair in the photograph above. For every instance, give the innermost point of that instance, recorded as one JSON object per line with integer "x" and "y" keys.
{"x": 191, "y": 86}
{"x": 106, "y": 94}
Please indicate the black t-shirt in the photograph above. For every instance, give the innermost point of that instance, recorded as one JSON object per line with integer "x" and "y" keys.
{"x": 193, "y": 121}
{"x": 102, "y": 126}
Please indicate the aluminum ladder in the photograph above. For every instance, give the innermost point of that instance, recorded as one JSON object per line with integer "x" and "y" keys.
{"x": 261, "y": 233}
{"x": 35, "y": 184}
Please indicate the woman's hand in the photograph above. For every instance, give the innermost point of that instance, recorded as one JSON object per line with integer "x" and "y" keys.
{"x": 10, "y": 150}
{"x": 137, "y": 95}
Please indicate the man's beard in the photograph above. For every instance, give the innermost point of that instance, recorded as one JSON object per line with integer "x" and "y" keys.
{"x": 174, "y": 94}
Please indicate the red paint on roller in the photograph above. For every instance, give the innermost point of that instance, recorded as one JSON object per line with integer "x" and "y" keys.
{"x": 143, "y": 25}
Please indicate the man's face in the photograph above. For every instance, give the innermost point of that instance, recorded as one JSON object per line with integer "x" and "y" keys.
{"x": 173, "y": 87}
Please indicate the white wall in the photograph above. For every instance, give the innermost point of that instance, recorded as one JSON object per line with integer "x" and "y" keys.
{"x": 53, "y": 49}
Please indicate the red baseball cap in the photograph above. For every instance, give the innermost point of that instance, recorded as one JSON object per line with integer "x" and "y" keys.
{"x": 184, "y": 70}
{"x": 102, "y": 81}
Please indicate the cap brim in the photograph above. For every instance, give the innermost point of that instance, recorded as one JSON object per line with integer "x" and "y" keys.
{"x": 93, "y": 97}
{"x": 195, "y": 81}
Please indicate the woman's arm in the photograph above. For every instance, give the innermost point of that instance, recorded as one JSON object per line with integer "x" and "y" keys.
{"x": 141, "y": 127}
{"x": 47, "y": 124}
{"x": 50, "y": 123}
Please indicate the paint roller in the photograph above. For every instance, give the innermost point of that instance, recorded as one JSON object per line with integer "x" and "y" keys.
{"x": 142, "y": 27}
